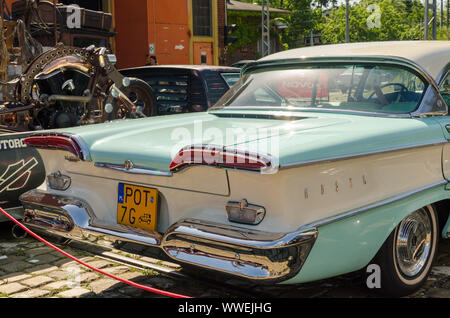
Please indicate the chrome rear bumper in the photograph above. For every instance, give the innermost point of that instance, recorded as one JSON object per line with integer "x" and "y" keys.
{"x": 255, "y": 255}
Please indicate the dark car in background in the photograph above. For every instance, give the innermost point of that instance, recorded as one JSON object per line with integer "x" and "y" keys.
{"x": 186, "y": 88}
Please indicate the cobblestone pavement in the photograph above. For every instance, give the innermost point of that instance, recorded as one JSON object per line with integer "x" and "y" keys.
{"x": 29, "y": 269}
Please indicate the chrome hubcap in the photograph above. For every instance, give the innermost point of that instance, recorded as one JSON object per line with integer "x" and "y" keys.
{"x": 413, "y": 243}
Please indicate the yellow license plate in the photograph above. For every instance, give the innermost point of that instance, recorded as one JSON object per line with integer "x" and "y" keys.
{"x": 137, "y": 206}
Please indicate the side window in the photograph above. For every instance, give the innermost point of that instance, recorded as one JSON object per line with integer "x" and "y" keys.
{"x": 445, "y": 89}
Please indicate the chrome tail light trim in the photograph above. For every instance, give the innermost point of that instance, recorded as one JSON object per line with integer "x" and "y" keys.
{"x": 225, "y": 158}
{"x": 73, "y": 144}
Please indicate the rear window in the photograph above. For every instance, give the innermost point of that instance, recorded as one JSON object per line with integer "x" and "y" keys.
{"x": 367, "y": 87}
{"x": 217, "y": 85}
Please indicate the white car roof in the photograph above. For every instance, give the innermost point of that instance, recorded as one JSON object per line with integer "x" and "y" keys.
{"x": 432, "y": 56}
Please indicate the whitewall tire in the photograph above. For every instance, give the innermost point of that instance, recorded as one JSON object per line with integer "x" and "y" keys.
{"x": 406, "y": 258}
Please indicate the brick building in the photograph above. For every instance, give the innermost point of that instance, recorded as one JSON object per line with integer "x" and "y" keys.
{"x": 175, "y": 31}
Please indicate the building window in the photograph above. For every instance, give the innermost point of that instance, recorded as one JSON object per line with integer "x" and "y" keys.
{"x": 96, "y": 5}
{"x": 202, "y": 17}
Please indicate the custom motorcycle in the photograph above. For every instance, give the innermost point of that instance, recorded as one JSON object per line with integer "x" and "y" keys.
{"x": 63, "y": 87}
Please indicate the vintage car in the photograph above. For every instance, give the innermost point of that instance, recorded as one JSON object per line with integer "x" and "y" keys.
{"x": 286, "y": 180}
{"x": 186, "y": 88}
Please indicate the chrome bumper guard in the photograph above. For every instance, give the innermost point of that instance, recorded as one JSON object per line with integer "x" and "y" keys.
{"x": 259, "y": 256}
{"x": 255, "y": 255}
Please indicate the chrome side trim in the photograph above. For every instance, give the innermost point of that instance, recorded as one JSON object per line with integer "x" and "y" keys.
{"x": 354, "y": 212}
{"x": 255, "y": 255}
{"x": 72, "y": 218}
{"x": 134, "y": 170}
{"x": 362, "y": 154}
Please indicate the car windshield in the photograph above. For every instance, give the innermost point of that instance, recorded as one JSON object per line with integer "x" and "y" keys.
{"x": 367, "y": 88}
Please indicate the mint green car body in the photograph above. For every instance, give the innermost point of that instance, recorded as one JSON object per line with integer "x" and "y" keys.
{"x": 345, "y": 243}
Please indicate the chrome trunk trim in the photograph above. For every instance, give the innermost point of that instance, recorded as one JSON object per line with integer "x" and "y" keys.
{"x": 133, "y": 170}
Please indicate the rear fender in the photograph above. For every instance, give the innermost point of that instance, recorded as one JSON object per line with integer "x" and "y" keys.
{"x": 350, "y": 244}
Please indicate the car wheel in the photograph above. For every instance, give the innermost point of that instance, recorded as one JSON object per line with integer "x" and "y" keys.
{"x": 141, "y": 95}
{"x": 405, "y": 259}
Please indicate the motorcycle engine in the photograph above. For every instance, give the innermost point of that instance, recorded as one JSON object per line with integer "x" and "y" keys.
{"x": 66, "y": 76}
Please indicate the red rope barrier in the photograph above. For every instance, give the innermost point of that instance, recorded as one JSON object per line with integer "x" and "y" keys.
{"x": 146, "y": 288}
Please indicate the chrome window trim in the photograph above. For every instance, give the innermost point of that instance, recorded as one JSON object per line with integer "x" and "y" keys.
{"x": 134, "y": 170}
{"x": 443, "y": 75}
{"x": 309, "y": 109}
{"x": 385, "y": 60}
{"x": 351, "y": 213}
{"x": 441, "y": 110}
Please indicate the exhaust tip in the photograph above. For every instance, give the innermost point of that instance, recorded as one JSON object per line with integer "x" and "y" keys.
{"x": 18, "y": 233}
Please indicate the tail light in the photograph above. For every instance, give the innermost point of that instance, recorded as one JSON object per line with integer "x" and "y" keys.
{"x": 56, "y": 141}
{"x": 207, "y": 155}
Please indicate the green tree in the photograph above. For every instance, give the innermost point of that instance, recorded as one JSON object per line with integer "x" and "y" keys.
{"x": 306, "y": 16}
{"x": 397, "y": 20}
